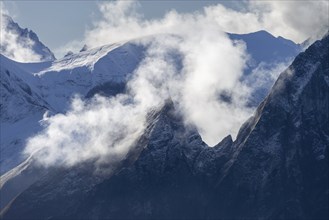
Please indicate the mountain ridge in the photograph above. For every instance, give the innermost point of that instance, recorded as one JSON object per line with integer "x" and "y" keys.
{"x": 276, "y": 168}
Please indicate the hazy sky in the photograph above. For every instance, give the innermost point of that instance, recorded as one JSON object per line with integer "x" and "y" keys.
{"x": 59, "y": 22}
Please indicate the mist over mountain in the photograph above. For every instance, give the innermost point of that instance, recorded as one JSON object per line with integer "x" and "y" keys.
{"x": 130, "y": 130}
{"x": 22, "y": 44}
{"x": 50, "y": 86}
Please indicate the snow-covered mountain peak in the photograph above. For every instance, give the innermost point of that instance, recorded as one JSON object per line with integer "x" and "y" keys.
{"x": 21, "y": 44}
{"x": 79, "y": 73}
{"x": 86, "y": 58}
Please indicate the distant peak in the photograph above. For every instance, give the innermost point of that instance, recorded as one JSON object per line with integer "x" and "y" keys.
{"x": 17, "y": 41}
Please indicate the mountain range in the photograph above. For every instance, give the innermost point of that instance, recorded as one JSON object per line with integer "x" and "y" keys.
{"x": 277, "y": 168}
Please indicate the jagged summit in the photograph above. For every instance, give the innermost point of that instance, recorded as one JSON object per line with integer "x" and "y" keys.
{"x": 23, "y": 39}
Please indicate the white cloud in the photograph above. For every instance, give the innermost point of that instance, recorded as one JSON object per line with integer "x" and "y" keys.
{"x": 213, "y": 65}
{"x": 90, "y": 131}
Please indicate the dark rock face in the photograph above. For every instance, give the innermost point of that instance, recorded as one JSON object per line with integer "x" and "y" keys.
{"x": 276, "y": 169}
{"x": 280, "y": 168}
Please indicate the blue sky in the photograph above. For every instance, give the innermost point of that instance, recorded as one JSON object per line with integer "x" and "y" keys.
{"x": 59, "y": 22}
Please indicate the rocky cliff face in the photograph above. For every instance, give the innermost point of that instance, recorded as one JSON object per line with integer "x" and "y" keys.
{"x": 279, "y": 169}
